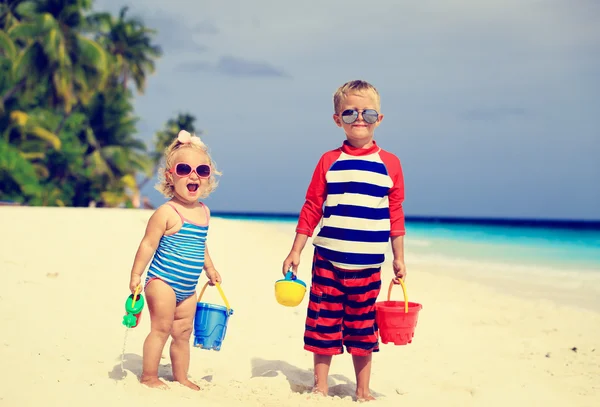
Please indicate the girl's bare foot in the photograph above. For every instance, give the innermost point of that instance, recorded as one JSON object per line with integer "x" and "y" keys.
{"x": 190, "y": 384}
{"x": 319, "y": 391}
{"x": 360, "y": 396}
{"x": 153, "y": 382}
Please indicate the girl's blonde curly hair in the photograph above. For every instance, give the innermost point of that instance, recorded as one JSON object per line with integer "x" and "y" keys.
{"x": 184, "y": 140}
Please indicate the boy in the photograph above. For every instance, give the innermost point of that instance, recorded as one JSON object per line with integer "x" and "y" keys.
{"x": 362, "y": 188}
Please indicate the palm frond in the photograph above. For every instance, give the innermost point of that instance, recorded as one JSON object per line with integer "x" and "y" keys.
{"x": 14, "y": 165}
{"x": 27, "y": 9}
{"x": 30, "y": 125}
{"x": 26, "y": 31}
{"x": 46, "y": 135}
{"x": 7, "y": 46}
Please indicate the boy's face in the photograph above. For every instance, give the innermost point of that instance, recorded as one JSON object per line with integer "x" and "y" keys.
{"x": 359, "y": 133}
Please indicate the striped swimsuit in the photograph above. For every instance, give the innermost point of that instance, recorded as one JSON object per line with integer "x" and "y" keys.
{"x": 357, "y": 196}
{"x": 179, "y": 258}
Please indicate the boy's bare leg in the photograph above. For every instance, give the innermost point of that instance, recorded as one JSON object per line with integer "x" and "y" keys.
{"x": 161, "y": 304}
{"x": 322, "y": 364}
{"x": 362, "y": 368}
{"x": 180, "y": 345}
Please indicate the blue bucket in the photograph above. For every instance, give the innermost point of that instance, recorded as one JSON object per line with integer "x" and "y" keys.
{"x": 210, "y": 322}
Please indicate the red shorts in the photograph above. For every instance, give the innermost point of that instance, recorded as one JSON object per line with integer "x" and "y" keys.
{"x": 341, "y": 310}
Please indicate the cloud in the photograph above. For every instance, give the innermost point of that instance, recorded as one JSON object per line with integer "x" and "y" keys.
{"x": 194, "y": 66}
{"x": 234, "y": 66}
{"x": 206, "y": 27}
{"x": 496, "y": 113}
{"x": 174, "y": 35}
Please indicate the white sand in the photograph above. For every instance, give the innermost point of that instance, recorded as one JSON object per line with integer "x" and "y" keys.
{"x": 64, "y": 282}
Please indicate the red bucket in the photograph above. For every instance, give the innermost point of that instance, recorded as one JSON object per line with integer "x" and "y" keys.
{"x": 397, "y": 320}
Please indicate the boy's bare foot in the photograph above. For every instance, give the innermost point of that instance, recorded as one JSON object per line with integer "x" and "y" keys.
{"x": 190, "y": 384}
{"x": 153, "y": 382}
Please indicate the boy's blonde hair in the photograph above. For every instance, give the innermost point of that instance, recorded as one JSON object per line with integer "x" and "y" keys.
{"x": 164, "y": 186}
{"x": 351, "y": 87}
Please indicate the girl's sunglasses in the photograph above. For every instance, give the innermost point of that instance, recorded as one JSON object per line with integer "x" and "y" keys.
{"x": 349, "y": 116}
{"x": 183, "y": 170}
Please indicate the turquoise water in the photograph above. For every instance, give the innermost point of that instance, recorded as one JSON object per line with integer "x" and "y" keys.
{"x": 555, "y": 247}
{"x": 522, "y": 245}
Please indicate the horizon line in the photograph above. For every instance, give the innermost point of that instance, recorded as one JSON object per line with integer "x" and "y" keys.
{"x": 593, "y": 224}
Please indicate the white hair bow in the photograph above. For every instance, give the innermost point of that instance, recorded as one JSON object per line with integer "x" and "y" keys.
{"x": 184, "y": 137}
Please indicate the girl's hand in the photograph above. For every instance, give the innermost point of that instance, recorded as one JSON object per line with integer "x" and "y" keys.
{"x": 213, "y": 276}
{"x": 399, "y": 271}
{"x": 134, "y": 283}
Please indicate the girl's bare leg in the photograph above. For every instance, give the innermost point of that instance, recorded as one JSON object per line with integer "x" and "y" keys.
{"x": 180, "y": 345}
{"x": 161, "y": 304}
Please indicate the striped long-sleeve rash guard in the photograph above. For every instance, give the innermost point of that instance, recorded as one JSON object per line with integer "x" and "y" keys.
{"x": 357, "y": 194}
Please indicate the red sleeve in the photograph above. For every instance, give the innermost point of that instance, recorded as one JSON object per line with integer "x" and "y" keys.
{"x": 312, "y": 210}
{"x": 396, "y": 195}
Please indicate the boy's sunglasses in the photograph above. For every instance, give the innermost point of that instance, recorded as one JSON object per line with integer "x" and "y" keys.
{"x": 349, "y": 116}
{"x": 183, "y": 170}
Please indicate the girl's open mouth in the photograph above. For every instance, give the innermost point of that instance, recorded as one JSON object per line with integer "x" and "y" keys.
{"x": 192, "y": 187}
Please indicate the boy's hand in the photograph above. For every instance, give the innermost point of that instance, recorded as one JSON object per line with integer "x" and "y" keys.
{"x": 399, "y": 271}
{"x": 134, "y": 282}
{"x": 292, "y": 260}
{"x": 213, "y": 276}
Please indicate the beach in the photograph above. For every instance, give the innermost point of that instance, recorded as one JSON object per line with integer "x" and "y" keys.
{"x": 483, "y": 338}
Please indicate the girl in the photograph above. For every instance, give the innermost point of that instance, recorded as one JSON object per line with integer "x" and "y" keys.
{"x": 176, "y": 237}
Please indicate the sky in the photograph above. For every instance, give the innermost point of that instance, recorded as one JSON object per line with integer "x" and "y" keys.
{"x": 493, "y": 107}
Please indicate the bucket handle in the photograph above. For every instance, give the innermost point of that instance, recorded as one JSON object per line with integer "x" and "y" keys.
{"x": 403, "y": 291}
{"x": 220, "y": 292}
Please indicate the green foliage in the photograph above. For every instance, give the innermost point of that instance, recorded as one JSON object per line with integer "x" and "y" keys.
{"x": 67, "y": 123}
{"x": 130, "y": 44}
{"x": 17, "y": 175}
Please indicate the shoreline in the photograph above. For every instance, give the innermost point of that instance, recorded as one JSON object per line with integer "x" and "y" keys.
{"x": 573, "y": 286}
{"x": 573, "y": 224}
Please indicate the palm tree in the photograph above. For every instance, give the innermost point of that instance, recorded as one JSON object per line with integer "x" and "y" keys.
{"x": 113, "y": 151}
{"x": 130, "y": 43}
{"x": 67, "y": 125}
{"x": 24, "y": 145}
{"x": 57, "y": 53}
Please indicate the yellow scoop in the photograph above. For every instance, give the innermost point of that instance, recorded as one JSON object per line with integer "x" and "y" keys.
{"x": 290, "y": 290}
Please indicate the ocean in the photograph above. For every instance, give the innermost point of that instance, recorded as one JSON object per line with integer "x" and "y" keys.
{"x": 563, "y": 245}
